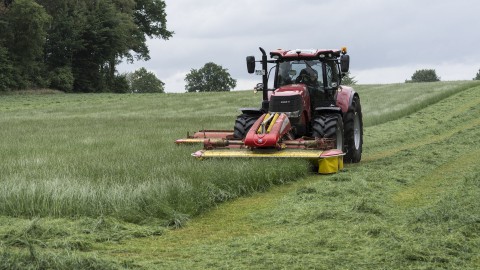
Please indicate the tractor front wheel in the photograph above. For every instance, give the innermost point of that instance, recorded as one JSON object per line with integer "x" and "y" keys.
{"x": 242, "y": 125}
{"x": 329, "y": 126}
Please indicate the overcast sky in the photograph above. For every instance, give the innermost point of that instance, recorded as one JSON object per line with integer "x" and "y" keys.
{"x": 386, "y": 40}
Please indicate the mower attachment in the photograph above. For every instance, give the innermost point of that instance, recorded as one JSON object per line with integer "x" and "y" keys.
{"x": 268, "y": 138}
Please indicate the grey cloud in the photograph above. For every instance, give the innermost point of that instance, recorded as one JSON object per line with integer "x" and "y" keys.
{"x": 379, "y": 34}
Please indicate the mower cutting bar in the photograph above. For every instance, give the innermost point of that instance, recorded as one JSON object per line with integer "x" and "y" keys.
{"x": 262, "y": 153}
{"x": 328, "y": 161}
{"x": 270, "y": 153}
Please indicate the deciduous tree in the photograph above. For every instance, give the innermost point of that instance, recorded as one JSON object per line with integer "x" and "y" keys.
{"x": 211, "y": 77}
{"x": 85, "y": 38}
{"x": 151, "y": 20}
{"x": 425, "y": 75}
{"x": 143, "y": 81}
{"x": 26, "y": 32}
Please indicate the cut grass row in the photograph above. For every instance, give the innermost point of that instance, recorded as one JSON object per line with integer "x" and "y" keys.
{"x": 386, "y": 102}
{"x": 412, "y": 204}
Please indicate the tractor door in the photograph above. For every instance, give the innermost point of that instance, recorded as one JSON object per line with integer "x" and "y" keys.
{"x": 328, "y": 82}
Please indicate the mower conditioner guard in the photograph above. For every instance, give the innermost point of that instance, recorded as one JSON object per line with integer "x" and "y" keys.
{"x": 328, "y": 161}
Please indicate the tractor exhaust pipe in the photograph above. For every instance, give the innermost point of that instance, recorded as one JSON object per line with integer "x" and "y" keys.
{"x": 264, "y": 80}
{"x": 264, "y": 72}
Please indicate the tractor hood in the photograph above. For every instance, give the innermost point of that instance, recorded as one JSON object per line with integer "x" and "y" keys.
{"x": 292, "y": 99}
{"x": 289, "y": 90}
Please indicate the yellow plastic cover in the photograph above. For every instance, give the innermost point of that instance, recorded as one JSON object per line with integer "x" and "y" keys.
{"x": 330, "y": 164}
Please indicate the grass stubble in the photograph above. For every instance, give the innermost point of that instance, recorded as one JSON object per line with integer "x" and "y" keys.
{"x": 93, "y": 173}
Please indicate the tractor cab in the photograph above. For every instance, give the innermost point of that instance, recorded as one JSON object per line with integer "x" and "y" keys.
{"x": 319, "y": 70}
{"x": 304, "y": 81}
{"x": 321, "y": 79}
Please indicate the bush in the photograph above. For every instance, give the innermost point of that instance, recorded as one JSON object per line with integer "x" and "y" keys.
{"x": 143, "y": 81}
{"x": 424, "y": 75}
{"x": 120, "y": 84}
{"x": 7, "y": 72}
{"x": 62, "y": 79}
{"x": 477, "y": 77}
{"x": 348, "y": 79}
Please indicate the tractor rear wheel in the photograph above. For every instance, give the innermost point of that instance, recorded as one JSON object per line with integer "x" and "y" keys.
{"x": 243, "y": 124}
{"x": 353, "y": 124}
{"x": 329, "y": 126}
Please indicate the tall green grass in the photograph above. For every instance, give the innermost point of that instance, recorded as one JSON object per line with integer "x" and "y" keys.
{"x": 113, "y": 155}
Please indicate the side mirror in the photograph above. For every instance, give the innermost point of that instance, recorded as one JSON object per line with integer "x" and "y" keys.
{"x": 344, "y": 63}
{"x": 251, "y": 64}
{"x": 258, "y": 87}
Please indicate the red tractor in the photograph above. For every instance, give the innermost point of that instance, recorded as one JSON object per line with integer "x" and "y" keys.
{"x": 308, "y": 113}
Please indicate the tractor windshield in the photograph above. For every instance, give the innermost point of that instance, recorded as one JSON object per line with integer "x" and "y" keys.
{"x": 307, "y": 72}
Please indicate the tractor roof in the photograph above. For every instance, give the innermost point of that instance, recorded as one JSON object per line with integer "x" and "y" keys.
{"x": 305, "y": 54}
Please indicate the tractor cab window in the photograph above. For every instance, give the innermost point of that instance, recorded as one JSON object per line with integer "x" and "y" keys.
{"x": 307, "y": 72}
{"x": 285, "y": 74}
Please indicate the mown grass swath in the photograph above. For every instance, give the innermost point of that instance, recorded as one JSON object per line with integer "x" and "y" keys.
{"x": 385, "y": 102}
{"x": 410, "y": 204}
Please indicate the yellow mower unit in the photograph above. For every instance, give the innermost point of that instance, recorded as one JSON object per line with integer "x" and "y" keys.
{"x": 269, "y": 137}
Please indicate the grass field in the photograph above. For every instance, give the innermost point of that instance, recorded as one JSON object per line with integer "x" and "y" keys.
{"x": 94, "y": 180}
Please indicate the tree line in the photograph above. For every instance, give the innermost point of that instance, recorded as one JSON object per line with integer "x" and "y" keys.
{"x": 430, "y": 75}
{"x": 75, "y": 45}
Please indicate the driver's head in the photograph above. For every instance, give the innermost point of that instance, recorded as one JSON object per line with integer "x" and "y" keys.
{"x": 312, "y": 75}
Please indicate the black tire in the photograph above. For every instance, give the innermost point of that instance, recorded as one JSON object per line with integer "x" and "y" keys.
{"x": 329, "y": 126}
{"x": 243, "y": 124}
{"x": 353, "y": 124}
